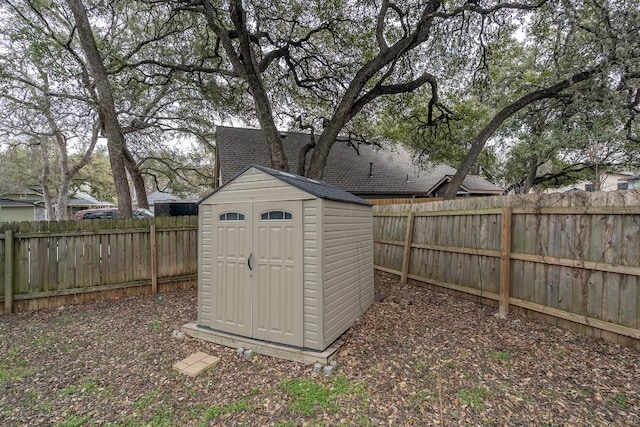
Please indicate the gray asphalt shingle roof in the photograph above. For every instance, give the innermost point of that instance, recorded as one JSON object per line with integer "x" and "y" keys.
{"x": 347, "y": 168}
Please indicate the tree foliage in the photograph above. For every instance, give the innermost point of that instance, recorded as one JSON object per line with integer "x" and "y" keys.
{"x": 566, "y": 86}
{"x": 57, "y": 96}
{"x": 442, "y": 76}
{"x": 21, "y": 167}
{"x": 321, "y": 63}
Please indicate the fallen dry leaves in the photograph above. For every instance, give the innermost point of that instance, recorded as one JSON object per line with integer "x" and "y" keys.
{"x": 416, "y": 357}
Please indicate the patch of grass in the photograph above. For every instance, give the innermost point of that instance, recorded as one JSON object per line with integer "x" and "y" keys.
{"x": 193, "y": 391}
{"x": 363, "y": 418}
{"x": 74, "y": 421}
{"x": 156, "y": 324}
{"x": 162, "y": 417}
{"x": 63, "y": 320}
{"x": 215, "y": 411}
{"x": 108, "y": 391}
{"x": 44, "y": 407}
{"x": 499, "y": 355}
{"x": 145, "y": 400}
{"x": 43, "y": 340}
{"x": 11, "y": 375}
{"x": 580, "y": 392}
{"x": 69, "y": 390}
{"x": 585, "y": 393}
{"x": 420, "y": 397}
{"x": 473, "y": 397}
{"x": 423, "y": 366}
{"x": 620, "y": 400}
{"x": 90, "y": 386}
{"x": 308, "y": 395}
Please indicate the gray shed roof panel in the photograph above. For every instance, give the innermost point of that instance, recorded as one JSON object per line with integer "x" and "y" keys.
{"x": 315, "y": 188}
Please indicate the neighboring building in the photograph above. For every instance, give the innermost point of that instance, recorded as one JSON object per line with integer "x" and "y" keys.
{"x": 368, "y": 171}
{"x": 23, "y": 204}
{"x": 23, "y": 195}
{"x": 167, "y": 204}
{"x": 28, "y": 205}
{"x": 630, "y": 183}
{"x": 18, "y": 210}
{"x": 81, "y": 201}
{"x": 161, "y": 197}
{"x": 473, "y": 185}
{"x": 611, "y": 182}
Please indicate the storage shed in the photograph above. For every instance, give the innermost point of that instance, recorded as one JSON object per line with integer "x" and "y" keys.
{"x": 284, "y": 259}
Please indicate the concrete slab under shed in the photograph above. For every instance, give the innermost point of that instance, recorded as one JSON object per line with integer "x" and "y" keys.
{"x": 261, "y": 347}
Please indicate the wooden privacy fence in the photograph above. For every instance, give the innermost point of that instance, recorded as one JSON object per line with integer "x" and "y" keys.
{"x": 404, "y": 200}
{"x": 573, "y": 260}
{"x": 45, "y": 264}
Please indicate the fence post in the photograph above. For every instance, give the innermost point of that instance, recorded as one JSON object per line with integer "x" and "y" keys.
{"x": 505, "y": 261}
{"x": 8, "y": 271}
{"x": 154, "y": 260}
{"x": 406, "y": 255}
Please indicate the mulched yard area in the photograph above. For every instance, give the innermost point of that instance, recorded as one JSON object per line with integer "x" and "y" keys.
{"x": 416, "y": 357}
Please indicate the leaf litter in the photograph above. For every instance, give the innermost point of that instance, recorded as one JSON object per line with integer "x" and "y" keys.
{"x": 416, "y": 357}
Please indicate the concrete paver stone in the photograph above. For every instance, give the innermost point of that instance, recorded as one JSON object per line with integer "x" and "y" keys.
{"x": 195, "y": 363}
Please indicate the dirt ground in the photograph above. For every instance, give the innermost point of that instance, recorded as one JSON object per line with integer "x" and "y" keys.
{"x": 416, "y": 357}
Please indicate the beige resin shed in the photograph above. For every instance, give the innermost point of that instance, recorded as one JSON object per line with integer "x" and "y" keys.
{"x": 283, "y": 259}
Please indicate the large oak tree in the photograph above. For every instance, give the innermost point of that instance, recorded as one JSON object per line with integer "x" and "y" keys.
{"x": 327, "y": 61}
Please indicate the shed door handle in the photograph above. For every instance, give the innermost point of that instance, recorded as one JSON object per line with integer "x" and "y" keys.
{"x": 249, "y": 261}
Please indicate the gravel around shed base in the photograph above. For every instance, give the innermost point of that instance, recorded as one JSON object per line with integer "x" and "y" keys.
{"x": 416, "y": 357}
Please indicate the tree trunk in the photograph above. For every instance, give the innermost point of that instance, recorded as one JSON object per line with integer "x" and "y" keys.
{"x": 531, "y": 175}
{"x": 136, "y": 177}
{"x": 62, "y": 200}
{"x": 244, "y": 64}
{"x": 43, "y": 178}
{"x": 107, "y": 110}
{"x": 490, "y": 129}
{"x": 252, "y": 75}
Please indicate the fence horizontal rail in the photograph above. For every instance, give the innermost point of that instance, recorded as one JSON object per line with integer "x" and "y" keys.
{"x": 574, "y": 260}
{"x": 40, "y": 260}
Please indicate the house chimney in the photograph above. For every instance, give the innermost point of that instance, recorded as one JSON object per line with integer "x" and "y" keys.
{"x": 370, "y": 169}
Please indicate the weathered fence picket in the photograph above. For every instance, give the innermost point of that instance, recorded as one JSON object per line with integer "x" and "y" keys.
{"x": 573, "y": 260}
{"x": 46, "y": 264}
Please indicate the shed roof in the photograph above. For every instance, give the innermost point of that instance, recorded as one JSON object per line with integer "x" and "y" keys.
{"x": 394, "y": 171}
{"x": 315, "y": 188}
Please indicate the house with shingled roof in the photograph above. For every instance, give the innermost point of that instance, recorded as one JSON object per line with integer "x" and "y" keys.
{"x": 366, "y": 170}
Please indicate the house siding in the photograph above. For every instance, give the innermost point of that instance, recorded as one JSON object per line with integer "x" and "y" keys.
{"x": 19, "y": 213}
{"x": 347, "y": 265}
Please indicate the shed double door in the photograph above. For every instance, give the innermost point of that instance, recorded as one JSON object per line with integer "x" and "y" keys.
{"x": 257, "y": 270}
